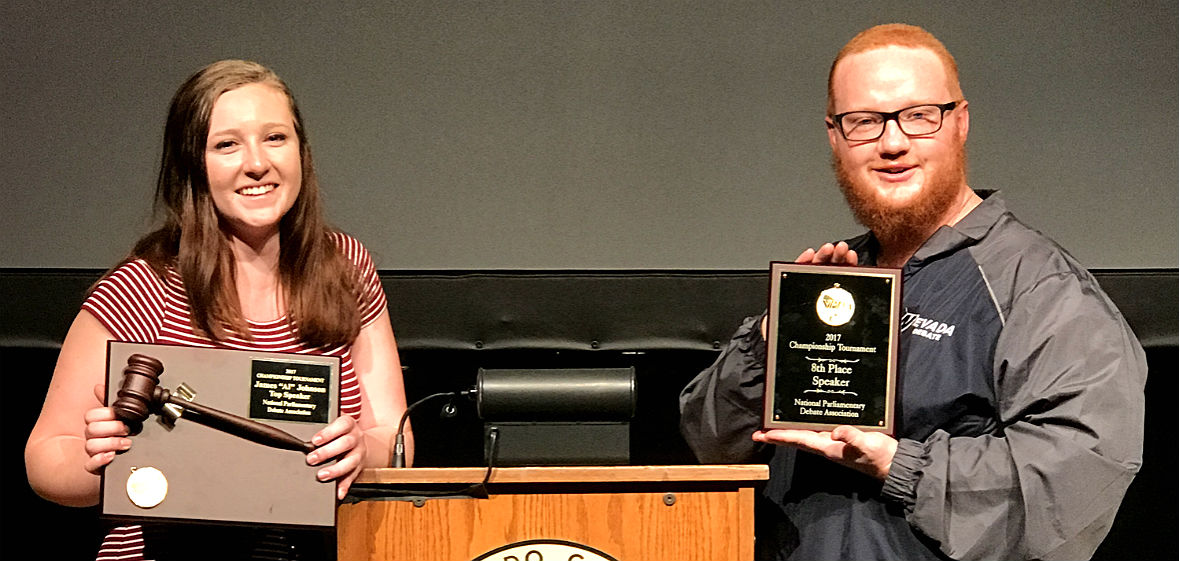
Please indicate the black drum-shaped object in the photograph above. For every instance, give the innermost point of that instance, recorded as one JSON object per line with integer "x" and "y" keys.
{"x": 547, "y": 395}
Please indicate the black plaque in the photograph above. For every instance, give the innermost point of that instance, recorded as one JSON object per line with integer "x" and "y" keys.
{"x": 289, "y": 391}
{"x": 831, "y": 355}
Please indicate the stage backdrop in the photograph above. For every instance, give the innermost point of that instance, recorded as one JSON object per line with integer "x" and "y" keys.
{"x": 552, "y": 135}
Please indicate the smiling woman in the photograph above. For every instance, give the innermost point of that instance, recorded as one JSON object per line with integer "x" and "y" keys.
{"x": 243, "y": 260}
{"x": 252, "y": 160}
{"x": 234, "y": 130}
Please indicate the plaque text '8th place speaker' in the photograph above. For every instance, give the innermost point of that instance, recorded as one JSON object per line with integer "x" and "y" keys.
{"x": 575, "y": 416}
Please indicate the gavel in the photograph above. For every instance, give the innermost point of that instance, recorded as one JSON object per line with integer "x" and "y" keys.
{"x": 141, "y": 394}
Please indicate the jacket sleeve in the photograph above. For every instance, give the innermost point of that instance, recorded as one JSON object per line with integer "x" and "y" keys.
{"x": 722, "y": 406}
{"x": 1069, "y": 378}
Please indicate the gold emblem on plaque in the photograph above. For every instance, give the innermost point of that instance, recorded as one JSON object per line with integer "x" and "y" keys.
{"x": 147, "y": 487}
{"x": 835, "y": 306}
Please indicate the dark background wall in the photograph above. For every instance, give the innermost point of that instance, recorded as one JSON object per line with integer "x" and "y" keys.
{"x": 585, "y": 134}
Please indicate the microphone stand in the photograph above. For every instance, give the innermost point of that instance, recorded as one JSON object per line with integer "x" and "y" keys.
{"x": 476, "y": 490}
{"x": 399, "y": 443}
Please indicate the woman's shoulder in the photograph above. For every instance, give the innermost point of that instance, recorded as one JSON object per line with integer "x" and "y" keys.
{"x": 136, "y": 271}
{"x": 129, "y": 301}
{"x": 352, "y": 248}
{"x": 344, "y": 239}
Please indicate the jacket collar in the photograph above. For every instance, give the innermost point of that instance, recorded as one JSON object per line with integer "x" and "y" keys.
{"x": 946, "y": 239}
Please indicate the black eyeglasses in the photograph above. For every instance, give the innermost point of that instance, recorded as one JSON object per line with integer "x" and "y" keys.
{"x": 918, "y": 120}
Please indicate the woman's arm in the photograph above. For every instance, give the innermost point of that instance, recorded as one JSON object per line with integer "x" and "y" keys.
{"x": 383, "y": 395}
{"x": 369, "y": 441}
{"x": 75, "y": 435}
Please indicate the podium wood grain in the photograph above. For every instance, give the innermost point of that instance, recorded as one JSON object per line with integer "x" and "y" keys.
{"x": 618, "y": 510}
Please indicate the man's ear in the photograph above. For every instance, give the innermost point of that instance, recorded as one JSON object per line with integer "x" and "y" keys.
{"x": 963, "y": 121}
{"x": 833, "y": 134}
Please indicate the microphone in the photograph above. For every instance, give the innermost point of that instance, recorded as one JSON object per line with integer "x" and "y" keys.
{"x": 399, "y": 443}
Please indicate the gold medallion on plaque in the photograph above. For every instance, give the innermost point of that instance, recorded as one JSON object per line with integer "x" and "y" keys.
{"x": 835, "y": 306}
{"x": 147, "y": 487}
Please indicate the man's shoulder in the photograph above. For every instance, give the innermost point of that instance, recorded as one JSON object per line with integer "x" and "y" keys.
{"x": 1014, "y": 257}
{"x": 1011, "y": 238}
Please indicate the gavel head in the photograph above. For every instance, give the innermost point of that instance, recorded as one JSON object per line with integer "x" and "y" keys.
{"x": 138, "y": 396}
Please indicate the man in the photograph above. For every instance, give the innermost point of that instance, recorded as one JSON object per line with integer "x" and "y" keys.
{"x": 1017, "y": 432}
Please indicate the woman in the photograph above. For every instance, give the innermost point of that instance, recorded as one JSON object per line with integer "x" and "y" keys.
{"x": 243, "y": 261}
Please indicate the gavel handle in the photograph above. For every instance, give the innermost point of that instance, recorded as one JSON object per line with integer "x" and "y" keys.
{"x": 243, "y": 427}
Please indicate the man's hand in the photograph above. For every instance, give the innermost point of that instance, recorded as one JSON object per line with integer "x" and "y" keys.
{"x": 828, "y": 254}
{"x": 865, "y": 451}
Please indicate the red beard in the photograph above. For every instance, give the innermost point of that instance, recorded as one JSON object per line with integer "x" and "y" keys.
{"x": 911, "y": 223}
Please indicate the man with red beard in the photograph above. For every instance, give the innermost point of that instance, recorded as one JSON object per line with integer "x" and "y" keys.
{"x": 1018, "y": 428}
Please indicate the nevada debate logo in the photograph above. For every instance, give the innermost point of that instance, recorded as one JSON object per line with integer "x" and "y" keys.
{"x": 926, "y": 327}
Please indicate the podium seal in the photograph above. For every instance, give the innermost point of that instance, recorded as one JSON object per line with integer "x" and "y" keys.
{"x": 544, "y": 550}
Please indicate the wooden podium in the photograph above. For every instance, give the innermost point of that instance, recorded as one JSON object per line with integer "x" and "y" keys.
{"x": 630, "y": 513}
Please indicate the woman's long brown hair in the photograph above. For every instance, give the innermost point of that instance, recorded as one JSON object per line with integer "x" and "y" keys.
{"x": 321, "y": 286}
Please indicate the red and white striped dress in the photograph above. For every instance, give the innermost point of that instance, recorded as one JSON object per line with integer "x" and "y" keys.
{"x": 137, "y": 306}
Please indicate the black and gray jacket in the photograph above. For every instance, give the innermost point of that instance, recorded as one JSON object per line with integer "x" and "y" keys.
{"x": 1019, "y": 412}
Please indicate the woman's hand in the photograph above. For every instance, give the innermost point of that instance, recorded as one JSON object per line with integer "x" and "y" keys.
{"x": 104, "y": 434}
{"x": 342, "y": 439}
